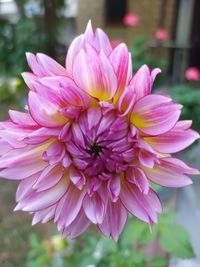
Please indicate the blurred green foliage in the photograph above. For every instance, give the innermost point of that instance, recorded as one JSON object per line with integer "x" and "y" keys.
{"x": 134, "y": 247}
{"x": 189, "y": 96}
{"x": 29, "y": 34}
{"x": 15, "y": 41}
{"x": 142, "y": 54}
{"x": 12, "y": 91}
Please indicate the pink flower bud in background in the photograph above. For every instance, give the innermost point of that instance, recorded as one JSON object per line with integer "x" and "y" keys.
{"x": 192, "y": 74}
{"x": 161, "y": 34}
{"x": 131, "y": 19}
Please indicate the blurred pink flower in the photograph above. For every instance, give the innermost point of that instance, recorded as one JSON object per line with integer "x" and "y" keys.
{"x": 115, "y": 42}
{"x": 161, "y": 34}
{"x": 93, "y": 139}
{"x": 131, "y": 19}
{"x": 192, "y": 74}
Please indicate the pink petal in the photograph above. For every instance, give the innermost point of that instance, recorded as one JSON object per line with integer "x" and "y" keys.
{"x": 138, "y": 177}
{"x": 94, "y": 208}
{"x": 115, "y": 218}
{"x": 47, "y": 88}
{"x": 23, "y": 156}
{"x": 50, "y": 66}
{"x": 146, "y": 158}
{"x": 23, "y": 171}
{"x": 154, "y": 73}
{"x": 73, "y": 50}
{"x": 119, "y": 59}
{"x": 43, "y": 112}
{"x": 49, "y": 177}
{"x": 45, "y": 199}
{"x": 25, "y": 187}
{"x": 155, "y": 114}
{"x": 34, "y": 65}
{"x": 169, "y": 172}
{"x": 129, "y": 200}
{"x": 174, "y": 140}
{"x": 102, "y": 42}
{"x": 74, "y": 96}
{"x": 77, "y": 178}
{"x": 141, "y": 82}
{"x": 77, "y": 227}
{"x": 141, "y": 205}
{"x": 5, "y": 147}
{"x": 89, "y": 33}
{"x": 44, "y": 215}
{"x": 114, "y": 187}
{"x": 29, "y": 79}
{"x": 41, "y": 135}
{"x": 126, "y": 101}
{"x": 22, "y": 119}
{"x": 94, "y": 74}
{"x": 93, "y": 116}
{"x": 69, "y": 206}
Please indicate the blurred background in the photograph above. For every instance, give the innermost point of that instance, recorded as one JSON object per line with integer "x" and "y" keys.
{"x": 159, "y": 33}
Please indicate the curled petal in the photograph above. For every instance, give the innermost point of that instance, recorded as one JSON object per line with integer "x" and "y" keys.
{"x": 143, "y": 80}
{"x": 174, "y": 140}
{"x": 119, "y": 59}
{"x": 73, "y": 50}
{"x": 114, "y": 187}
{"x": 77, "y": 178}
{"x": 170, "y": 172}
{"x": 94, "y": 74}
{"x": 126, "y": 101}
{"x": 22, "y": 119}
{"x": 138, "y": 177}
{"x": 94, "y": 208}
{"x": 155, "y": 114}
{"x": 43, "y": 112}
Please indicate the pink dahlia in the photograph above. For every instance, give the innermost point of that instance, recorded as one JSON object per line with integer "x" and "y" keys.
{"x": 161, "y": 34}
{"x": 131, "y": 19}
{"x": 93, "y": 139}
{"x": 192, "y": 74}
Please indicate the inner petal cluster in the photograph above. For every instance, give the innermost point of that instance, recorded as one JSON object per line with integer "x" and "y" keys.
{"x": 100, "y": 145}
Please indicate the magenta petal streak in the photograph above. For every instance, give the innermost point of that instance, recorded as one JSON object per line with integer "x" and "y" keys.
{"x": 93, "y": 139}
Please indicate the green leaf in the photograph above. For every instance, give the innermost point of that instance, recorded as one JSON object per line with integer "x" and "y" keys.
{"x": 175, "y": 240}
{"x": 137, "y": 232}
{"x": 159, "y": 262}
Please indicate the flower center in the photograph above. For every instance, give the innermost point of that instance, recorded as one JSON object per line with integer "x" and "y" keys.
{"x": 95, "y": 149}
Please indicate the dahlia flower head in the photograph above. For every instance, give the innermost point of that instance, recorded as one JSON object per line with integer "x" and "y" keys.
{"x": 192, "y": 74}
{"x": 93, "y": 140}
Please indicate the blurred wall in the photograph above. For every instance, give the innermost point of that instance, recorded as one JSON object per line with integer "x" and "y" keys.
{"x": 148, "y": 10}
{"x": 90, "y": 9}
